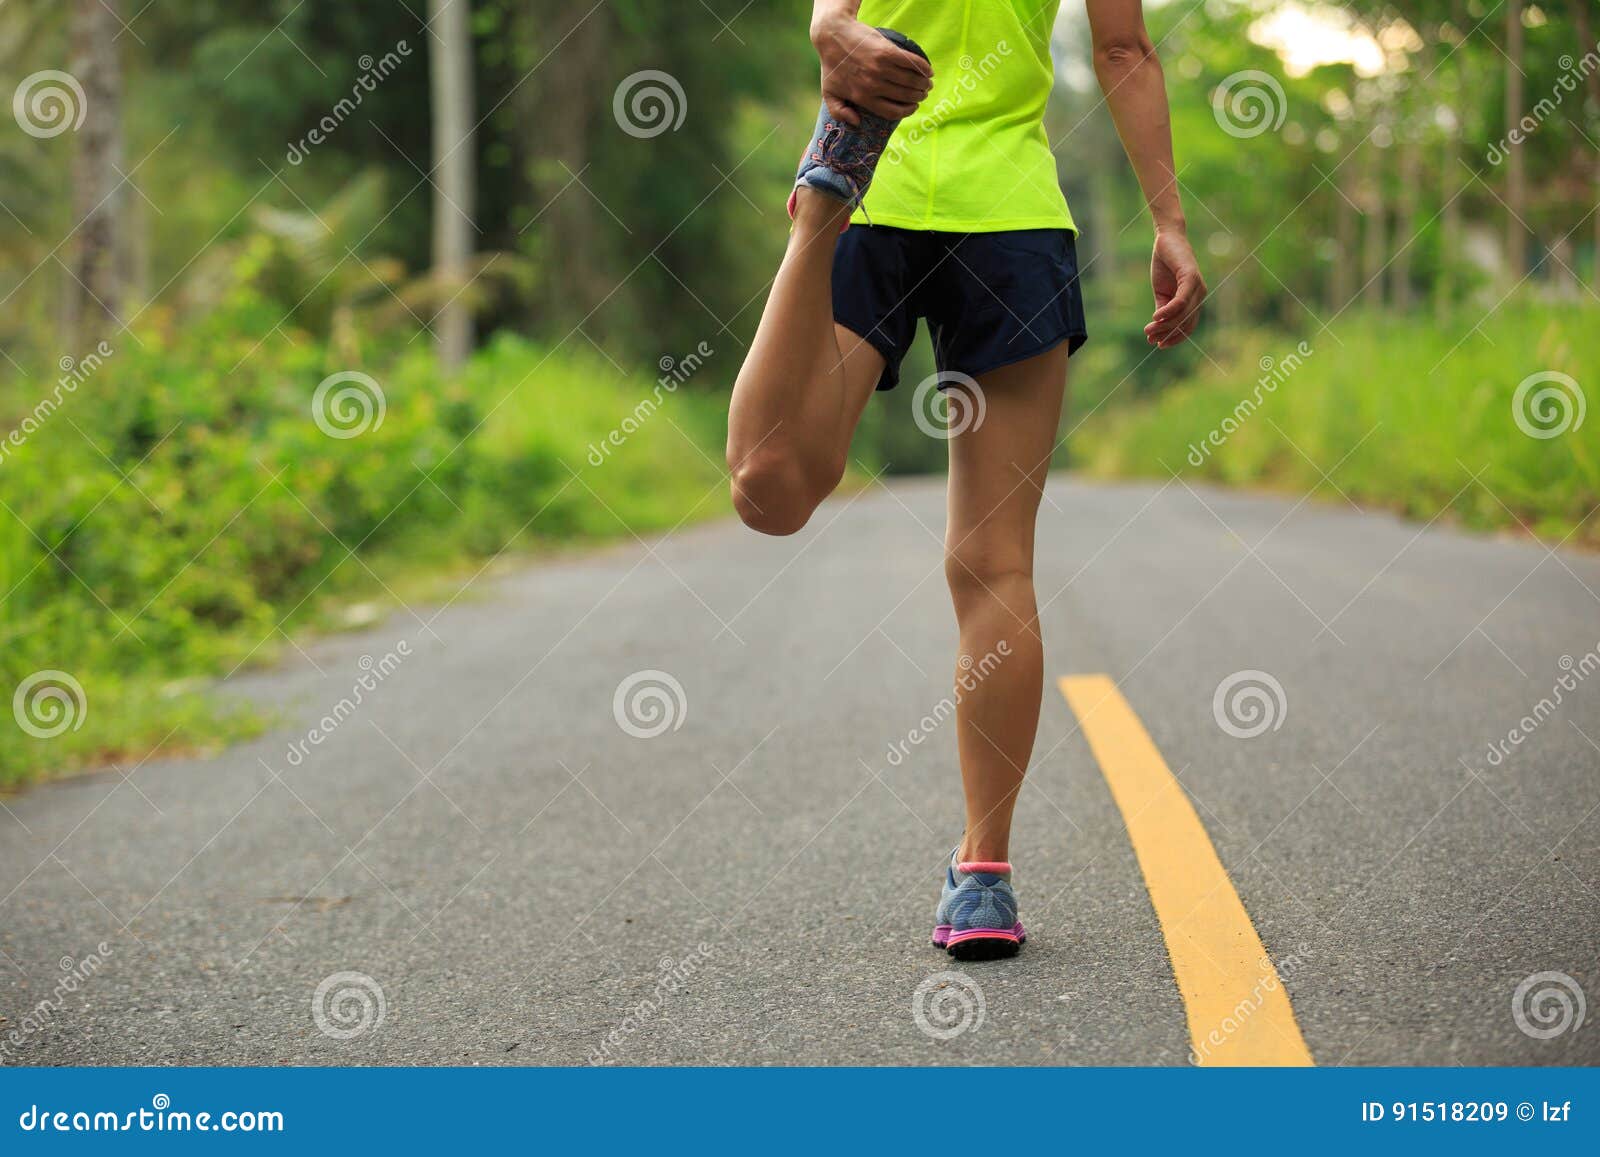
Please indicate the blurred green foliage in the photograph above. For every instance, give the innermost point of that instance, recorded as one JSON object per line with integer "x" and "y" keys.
{"x": 182, "y": 506}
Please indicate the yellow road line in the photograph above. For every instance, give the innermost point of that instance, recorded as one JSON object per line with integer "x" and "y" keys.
{"x": 1239, "y": 1013}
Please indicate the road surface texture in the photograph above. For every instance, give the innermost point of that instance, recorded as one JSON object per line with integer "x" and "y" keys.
{"x": 489, "y": 859}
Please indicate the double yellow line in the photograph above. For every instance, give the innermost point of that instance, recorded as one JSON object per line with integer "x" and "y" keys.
{"x": 1238, "y": 1011}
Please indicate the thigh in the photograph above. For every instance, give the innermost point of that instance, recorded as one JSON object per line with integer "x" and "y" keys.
{"x": 862, "y": 366}
{"x": 999, "y": 459}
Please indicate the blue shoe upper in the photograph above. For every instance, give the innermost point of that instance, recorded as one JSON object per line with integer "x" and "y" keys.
{"x": 841, "y": 160}
{"x": 976, "y": 900}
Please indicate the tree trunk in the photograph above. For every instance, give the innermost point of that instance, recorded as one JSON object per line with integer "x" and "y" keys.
{"x": 1343, "y": 281}
{"x": 1516, "y": 184}
{"x": 1375, "y": 242}
{"x": 92, "y": 297}
{"x": 1586, "y": 43}
{"x": 1406, "y": 215}
{"x": 454, "y": 161}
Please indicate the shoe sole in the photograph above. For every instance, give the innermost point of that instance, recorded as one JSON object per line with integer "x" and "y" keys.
{"x": 980, "y": 943}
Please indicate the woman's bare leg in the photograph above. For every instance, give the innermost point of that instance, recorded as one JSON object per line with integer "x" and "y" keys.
{"x": 803, "y": 385}
{"x": 997, "y": 474}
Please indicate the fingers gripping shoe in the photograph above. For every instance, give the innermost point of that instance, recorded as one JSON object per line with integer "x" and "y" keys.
{"x": 841, "y": 160}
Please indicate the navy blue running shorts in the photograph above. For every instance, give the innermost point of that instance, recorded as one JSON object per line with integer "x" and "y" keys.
{"x": 990, "y": 299}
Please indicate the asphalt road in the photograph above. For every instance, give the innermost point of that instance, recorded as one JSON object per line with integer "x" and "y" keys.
{"x": 520, "y": 880}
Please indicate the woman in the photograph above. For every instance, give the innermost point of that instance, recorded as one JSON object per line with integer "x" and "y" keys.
{"x": 965, "y": 227}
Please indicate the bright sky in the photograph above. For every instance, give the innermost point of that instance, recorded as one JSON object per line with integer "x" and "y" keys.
{"x": 1306, "y": 36}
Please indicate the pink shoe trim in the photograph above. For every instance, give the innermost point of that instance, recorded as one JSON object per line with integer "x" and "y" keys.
{"x": 994, "y": 867}
{"x": 1015, "y": 934}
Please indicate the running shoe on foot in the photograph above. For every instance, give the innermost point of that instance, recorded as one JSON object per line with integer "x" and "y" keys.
{"x": 840, "y": 160}
{"x": 977, "y": 915}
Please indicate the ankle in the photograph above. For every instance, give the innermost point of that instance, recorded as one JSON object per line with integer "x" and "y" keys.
{"x": 816, "y": 212}
{"x": 983, "y": 849}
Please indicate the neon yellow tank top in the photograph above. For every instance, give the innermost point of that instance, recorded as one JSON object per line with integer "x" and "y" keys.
{"x": 974, "y": 157}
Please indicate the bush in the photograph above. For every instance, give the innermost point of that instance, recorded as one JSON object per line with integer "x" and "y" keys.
{"x": 1400, "y": 414}
{"x": 180, "y": 504}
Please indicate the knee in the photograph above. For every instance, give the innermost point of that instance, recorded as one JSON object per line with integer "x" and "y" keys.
{"x": 980, "y": 573}
{"x": 773, "y": 491}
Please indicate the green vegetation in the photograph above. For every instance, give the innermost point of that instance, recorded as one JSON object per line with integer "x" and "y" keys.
{"x": 1399, "y": 415}
{"x": 242, "y": 199}
{"x": 181, "y": 507}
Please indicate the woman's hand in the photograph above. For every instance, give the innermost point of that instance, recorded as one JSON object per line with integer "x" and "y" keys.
{"x": 863, "y": 69}
{"x": 1179, "y": 289}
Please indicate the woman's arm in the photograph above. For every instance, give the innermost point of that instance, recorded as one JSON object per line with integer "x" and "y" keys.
{"x": 862, "y": 69}
{"x": 1136, "y": 92}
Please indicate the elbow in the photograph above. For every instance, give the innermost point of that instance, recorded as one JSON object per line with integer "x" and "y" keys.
{"x": 1119, "y": 55}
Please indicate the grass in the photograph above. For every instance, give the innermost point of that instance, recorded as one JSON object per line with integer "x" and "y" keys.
{"x": 178, "y": 513}
{"x": 1403, "y": 413}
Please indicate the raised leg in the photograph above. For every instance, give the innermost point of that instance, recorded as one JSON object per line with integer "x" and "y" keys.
{"x": 803, "y": 385}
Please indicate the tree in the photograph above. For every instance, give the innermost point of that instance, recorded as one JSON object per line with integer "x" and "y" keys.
{"x": 94, "y": 282}
{"x": 1516, "y": 183}
{"x": 454, "y": 187}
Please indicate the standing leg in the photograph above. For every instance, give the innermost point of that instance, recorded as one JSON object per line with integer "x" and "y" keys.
{"x": 997, "y": 474}
{"x": 803, "y": 385}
